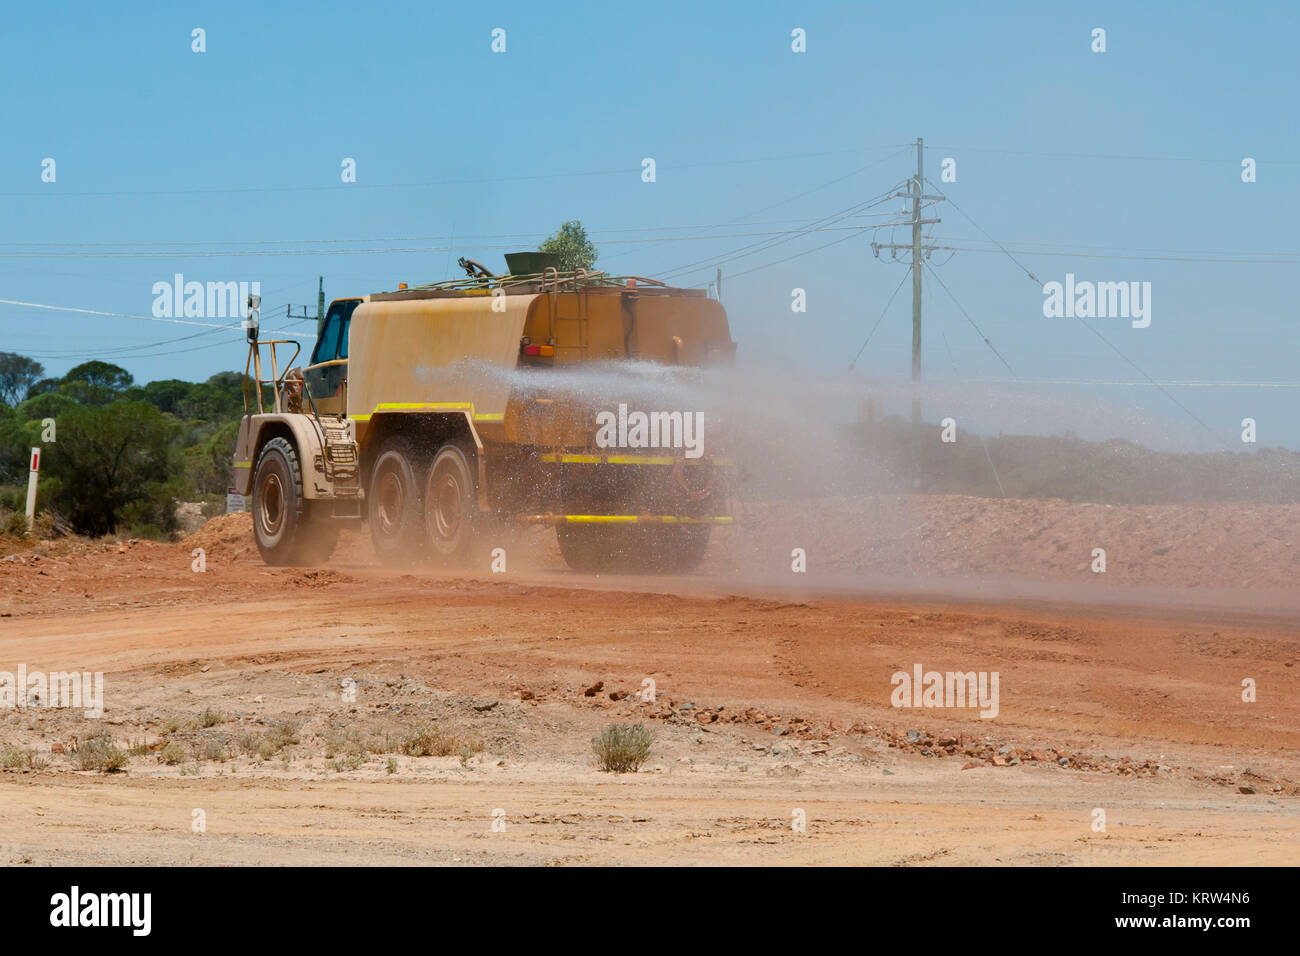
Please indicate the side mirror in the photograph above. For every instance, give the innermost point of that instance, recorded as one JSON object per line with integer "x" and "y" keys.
{"x": 251, "y": 323}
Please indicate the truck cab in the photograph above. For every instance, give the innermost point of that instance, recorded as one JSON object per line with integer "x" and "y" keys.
{"x": 327, "y": 382}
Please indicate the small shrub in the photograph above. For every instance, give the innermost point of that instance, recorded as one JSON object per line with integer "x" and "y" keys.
{"x": 15, "y": 524}
{"x": 280, "y": 735}
{"x": 99, "y": 753}
{"x": 391, "y": 766}
{"x": 422, "y": 740}
{"x": 347, "y": 742}
{"x": 213, "y": 750}
{"x": 622, "y": 748}
{"x": 427, "y": 739}
{"x": 16, "y": 758}
{"x": 210, "y": 718}
{"x": 172, "y": 752}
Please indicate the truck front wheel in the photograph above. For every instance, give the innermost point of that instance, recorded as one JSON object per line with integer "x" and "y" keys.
{"x": 284, "y": 526}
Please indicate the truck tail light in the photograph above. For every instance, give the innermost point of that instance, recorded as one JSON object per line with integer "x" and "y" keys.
{"x": 540, "y": 350}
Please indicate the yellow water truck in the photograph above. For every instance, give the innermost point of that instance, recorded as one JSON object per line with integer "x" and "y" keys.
{"x": 432, "y": 412}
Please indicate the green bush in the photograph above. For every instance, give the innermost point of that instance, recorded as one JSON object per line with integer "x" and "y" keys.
{"x": 622, "y": 748}
{"x": 114, "y": 465}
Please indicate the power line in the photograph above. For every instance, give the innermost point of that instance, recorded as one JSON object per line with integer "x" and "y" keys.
{"x": 371, "y": 239}
{"x": 127, "y": 315}
{"x": 989, "y": 458}
{"x": 1084, "y": 255}
{"x": 977, "y": 329}
{"x": 1080, "y": 245}
{"x": 625, "y": 171}
{"x": 122, "y": 351}
{"x": 825, "y": 223}
{"x": 1095, "y": 332}
{"x": 1154, "y": 159}
{"x": 990, "y": 238}
{"x": 243, "y": 253}
{"x": 806, "y": 192}
{"x": 892, "y": 296}
{"x": 797, "y": 255}
{"x": 1163, "y": 391}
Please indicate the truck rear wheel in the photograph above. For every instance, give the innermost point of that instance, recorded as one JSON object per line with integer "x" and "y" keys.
{"x": 284, "y": 524}
{"x": 632, "y": 549}
{"x": 450, "y": 510}
{"x": 396, "y": 526}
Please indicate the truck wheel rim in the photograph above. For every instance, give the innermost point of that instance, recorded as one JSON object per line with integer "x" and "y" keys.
{"x": 272, "y": 510}
{"x": 447, "y": 506}
{"x": 390, "y": 503}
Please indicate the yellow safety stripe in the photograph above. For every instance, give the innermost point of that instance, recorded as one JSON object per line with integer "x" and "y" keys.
{"x": 552, "y": 458}
{"x": 574, "y": 459}
{"x": 433, "y": 407}
{"x": 626, "y": 519}
{"x": 243, "y": 464}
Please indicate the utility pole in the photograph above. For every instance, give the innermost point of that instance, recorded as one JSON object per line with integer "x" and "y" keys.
{"x": 917, "y": 185}
{"x": 919, "y": 250}
{"x": 320, "y": 305}
{"x": 320, "y": 308}
{"x": 718, "y": 287}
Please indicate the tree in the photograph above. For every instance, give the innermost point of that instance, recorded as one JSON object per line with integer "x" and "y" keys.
{"x": 233, "y": 380}
{"x": 114, "y": 465}
{"x": 211, "y": 403}
{"x": 571, "y": 245}
{"x": 96, "y": 382}
{"x": 18, "y": 374}
{"x": 46, "y": 405}
{"x": 208, "y": 463}
{"x": 44, "y": 387}
{"x": 16, "y": 438}
{"x": 167, "y": 395}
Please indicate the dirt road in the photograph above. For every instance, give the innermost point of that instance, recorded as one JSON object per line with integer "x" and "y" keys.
{"x": 771, "y": 708}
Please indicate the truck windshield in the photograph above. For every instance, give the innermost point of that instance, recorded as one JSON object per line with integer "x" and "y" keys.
{"x": 328, "y": 346}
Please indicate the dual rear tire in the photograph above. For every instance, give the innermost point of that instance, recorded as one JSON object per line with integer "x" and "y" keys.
{"x": 633, "y": 549}
{"x": 421, "y": 508}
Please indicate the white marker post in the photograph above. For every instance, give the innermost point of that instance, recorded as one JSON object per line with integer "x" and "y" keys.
{"x": 32, "y": 475}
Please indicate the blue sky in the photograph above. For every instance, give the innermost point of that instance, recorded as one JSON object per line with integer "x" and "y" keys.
{"x": 1127, "y": 162}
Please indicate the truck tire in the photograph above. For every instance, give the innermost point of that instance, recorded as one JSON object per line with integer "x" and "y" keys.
{"x": 632, "y": 549}
{"x": 285, "y": 525}
{"x": 677, "y": 550}
{"x": 450, "y": 506}
{"x": 396, "y": 518}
